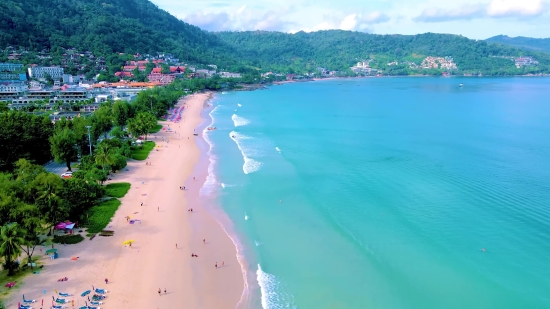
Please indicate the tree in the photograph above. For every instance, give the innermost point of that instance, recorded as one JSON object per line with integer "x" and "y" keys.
{"x": 105, "y": 156}
{"x": 48, "y": 188}
{"x": 120, "y": 113}
{"x": 102, "y": 120}
{"x": 63, "y": 147}
{"x": 141, "y": 124}
{"x": 24, "y": 136}
{"x": 10, "y": 241}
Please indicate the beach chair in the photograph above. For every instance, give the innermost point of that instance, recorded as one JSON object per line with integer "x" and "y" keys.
{"x": 96, "y": 303}
{"x": 58, "y": 307}
{"x": 28, "y": 301}
{"x": 24, "y": 306}
{"x": 65, "y": 294}
{"x": 101, "y": 291}
{"x": 61, "y": 300}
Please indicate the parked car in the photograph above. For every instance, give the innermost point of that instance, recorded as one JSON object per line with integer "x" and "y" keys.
{"x": 67, "y": 175}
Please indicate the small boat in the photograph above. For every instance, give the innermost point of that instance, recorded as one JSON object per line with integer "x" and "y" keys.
{"x": 461, "y": 85}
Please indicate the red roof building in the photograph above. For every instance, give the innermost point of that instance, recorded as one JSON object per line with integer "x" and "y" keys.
{"x": 177, "y": 70}
{"x": 157, "y": 70}
{"x": 124, "y": 74}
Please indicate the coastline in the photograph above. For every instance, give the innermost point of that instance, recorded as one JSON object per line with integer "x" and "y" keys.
{"x": 153, "y": 262}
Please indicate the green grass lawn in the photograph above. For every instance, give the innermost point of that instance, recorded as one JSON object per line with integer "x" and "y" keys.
{"x": 141, "y": 153}
{"x": 156, "y": 129}
{"x": 99, "y": 216}
{"x": 117, "y": 189}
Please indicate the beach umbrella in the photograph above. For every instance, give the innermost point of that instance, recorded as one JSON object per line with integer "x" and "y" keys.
{"x": 10, "y": 284}
{"x": 51, "y": 251}
{"x": 127, "y": 242}
{"x": 85, "y": 293}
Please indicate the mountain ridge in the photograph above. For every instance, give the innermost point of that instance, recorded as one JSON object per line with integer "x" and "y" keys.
{"x": 522, "y": 42}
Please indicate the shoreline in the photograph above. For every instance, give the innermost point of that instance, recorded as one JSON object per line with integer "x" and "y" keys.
{"x": 154, "y": 261}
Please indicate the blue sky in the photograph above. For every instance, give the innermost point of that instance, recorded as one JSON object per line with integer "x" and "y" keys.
{"x": 476, "y": 19}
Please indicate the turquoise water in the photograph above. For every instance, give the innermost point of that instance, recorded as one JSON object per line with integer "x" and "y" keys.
{"x": 380, "y": 193}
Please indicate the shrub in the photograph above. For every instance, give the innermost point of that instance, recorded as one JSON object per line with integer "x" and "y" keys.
{"x": 156, "y": 129}
{"x": 118, "y": 189}
{"x": 99, "y": 216}
{"x": 68, "y": 239}
{"x": 141, "y": 153}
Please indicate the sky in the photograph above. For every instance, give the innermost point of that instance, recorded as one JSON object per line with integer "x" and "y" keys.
{"x": 475, "y": 19}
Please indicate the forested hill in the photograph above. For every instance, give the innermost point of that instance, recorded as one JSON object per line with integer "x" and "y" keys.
{"x": 105, "y": 26}
{"x": 336, "y": 49}
{"x": 522, "y": 42}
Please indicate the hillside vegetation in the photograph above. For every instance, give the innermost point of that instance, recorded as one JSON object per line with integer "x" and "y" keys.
{"x": 337, "y": 49}
{"x": 522, "y": 42}
{"x": 105, "y": 27}
{"x": 109, "y": 27}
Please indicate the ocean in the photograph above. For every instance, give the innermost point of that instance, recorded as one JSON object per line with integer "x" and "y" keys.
{"x": 388, "y": 192}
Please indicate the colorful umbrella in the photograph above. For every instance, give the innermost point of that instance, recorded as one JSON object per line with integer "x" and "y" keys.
{"x": 85, "y": 293}
{"x": 51, "y": 251}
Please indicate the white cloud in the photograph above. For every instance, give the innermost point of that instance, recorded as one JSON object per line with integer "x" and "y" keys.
{"x": 504, "y": 8}
{"x": 492, "y": 9}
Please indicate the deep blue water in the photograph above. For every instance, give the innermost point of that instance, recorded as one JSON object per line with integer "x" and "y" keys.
{"x": 381, "y": 192}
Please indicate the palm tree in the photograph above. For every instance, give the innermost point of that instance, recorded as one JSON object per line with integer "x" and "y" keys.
{"x": 10, "y": 241}
{"x": 104, "y": 156}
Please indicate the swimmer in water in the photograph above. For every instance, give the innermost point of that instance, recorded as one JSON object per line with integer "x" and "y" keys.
{"x": 483, "y": 249}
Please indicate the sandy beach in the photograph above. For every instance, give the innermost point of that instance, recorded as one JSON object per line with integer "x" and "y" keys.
{"x": 136, "y": 273}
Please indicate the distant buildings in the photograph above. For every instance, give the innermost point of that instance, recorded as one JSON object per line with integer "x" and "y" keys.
{"x": 525, "y": 61}
{"x": 445, "y": 63}
{"x": 11, "y": 67}
{"x": 41, "y": 72}
{"x": 230, "y": 75}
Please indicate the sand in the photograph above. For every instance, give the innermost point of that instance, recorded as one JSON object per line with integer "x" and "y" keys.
{"x": 135, "y": 274}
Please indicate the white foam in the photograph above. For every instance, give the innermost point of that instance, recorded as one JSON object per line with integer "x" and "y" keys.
{"x": 273, "y": 296}
{"x": 211, "y": 181}
{"x": 258, "y": 243}
{"x": 239, "y": 121}
{"x": 278, "y": 149}
{"x": 250, "y": 165}
{"x": 246, "y": 216}
{"x": 239, "y": 104}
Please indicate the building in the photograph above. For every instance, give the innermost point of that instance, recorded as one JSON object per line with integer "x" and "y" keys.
{"x": 525, "y": 61}
{"x": 162, "y": 79}
{"x": 10, "y": 91}
{"x": 178, "y": 69}
{"x": 13, "y": 77}
{"x": 230, "y": 75}
{"x": 11, "y": 67}
{"x": 72, "y": 95}
{"x": 41, "y": 72}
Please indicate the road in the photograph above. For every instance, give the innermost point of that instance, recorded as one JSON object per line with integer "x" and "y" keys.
{"x": 57, "y": 168}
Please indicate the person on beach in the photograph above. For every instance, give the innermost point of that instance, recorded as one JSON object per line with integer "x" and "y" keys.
{"x": 164, "y": 290}
{"x": 159, "y": 291}
{"x": 106, "y": 280}
{"x": 158, "y": 209}
{"x": 193, "y": 178}
{"x": 204, "y": 241}
{"x": 176, "y": 246}
{"x": 141, "y": 203}
{"x": 216, "y": 264}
